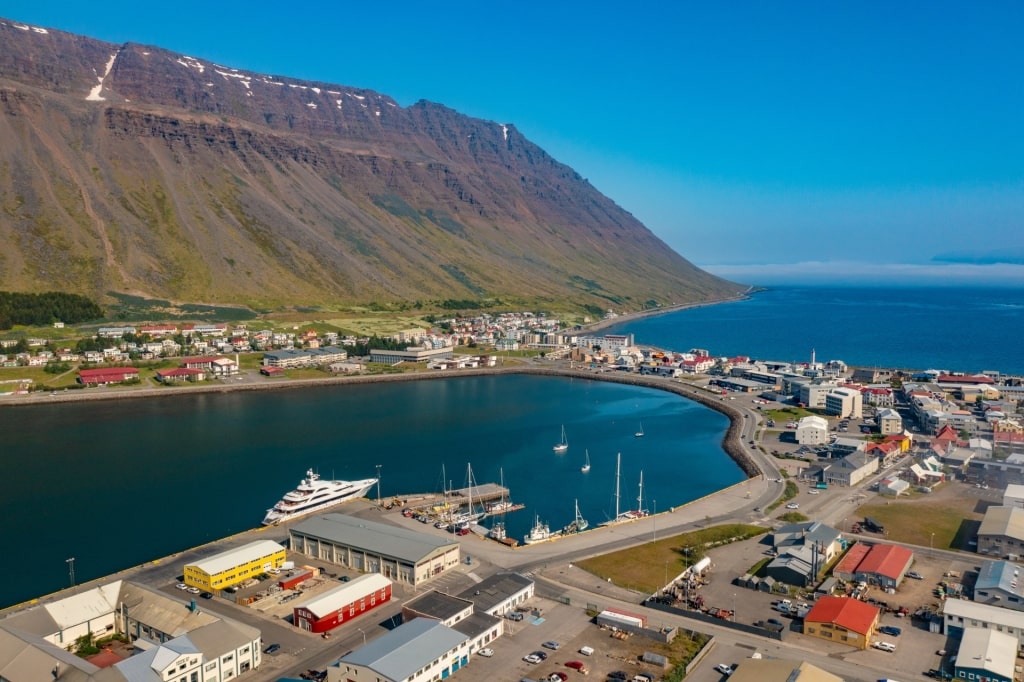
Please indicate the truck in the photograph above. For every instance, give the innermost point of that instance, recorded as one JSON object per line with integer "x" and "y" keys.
{"x": 872, "y": 525}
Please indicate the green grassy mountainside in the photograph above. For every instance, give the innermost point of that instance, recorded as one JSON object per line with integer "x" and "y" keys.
{"x": 132, "y": 169}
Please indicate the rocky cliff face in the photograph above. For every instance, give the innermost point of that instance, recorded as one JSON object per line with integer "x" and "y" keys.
{"x": 131, "y": 168}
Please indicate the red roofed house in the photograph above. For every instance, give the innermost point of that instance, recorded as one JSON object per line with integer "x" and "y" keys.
{"x": 847, "y": 566}
{"x": 887, "y": 452}
{"x": 955, "y": 379}
{"x": 885, "y": 565}
{"x": 216, "y": 365}
{"x": 948, "y": 434}
{"x": 107, "y": 375}
{"x": 170, "y": 376}
{"x": 841, "y": 619}
{"x": 159, "y": 330}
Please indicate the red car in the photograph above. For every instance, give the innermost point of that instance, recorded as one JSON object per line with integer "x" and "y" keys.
{"x": 576, "y": 665}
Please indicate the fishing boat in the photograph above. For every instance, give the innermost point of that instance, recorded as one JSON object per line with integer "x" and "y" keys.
{"x": 640, "y": 433}
{"x": 539, "y": 533}
{"x": 578, "y": 525}
{"x": 586, "y": 466}
{"x": 562, "y": 445}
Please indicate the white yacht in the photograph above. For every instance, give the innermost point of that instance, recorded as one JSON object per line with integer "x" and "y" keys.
{"x": 313, "y": 495}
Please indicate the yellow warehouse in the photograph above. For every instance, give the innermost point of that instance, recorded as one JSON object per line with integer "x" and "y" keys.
{"x": 235, "y": 565}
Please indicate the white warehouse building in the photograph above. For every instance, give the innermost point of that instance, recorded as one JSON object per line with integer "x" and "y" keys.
{"x": 812, "y": 430}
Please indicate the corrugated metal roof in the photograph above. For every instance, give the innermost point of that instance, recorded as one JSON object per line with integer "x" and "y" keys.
{"x": 495, "y": 590}
{"x": 378, "y": 538}
{"x": 403, "y": 651}
{"x": 345, "y": 594}
{"x": 237, "y": 556}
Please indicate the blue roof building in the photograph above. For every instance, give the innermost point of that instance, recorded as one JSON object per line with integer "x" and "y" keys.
{"x": 1000, "y": 583}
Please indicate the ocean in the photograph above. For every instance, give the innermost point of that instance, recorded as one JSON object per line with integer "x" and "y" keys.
{"x": 964, "y": 329}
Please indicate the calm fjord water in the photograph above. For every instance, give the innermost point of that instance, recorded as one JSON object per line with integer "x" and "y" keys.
{"x": 116, "y": 484}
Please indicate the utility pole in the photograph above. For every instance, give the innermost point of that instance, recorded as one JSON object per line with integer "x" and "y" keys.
{"x": 71, "y": 570}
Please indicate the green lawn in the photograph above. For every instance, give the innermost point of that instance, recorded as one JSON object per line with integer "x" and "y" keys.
{"x": 953, "y": 519}
{"x": 648, "y": 567}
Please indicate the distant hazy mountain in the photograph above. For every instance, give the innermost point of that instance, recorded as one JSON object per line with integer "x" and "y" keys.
{"x": 133, "y": 169}
{"x": 1009, "y": 256}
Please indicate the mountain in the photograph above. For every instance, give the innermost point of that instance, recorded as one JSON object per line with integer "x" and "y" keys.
{"x": 128, "y": 168}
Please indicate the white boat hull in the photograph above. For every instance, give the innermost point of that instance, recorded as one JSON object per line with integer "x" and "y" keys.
{"x": 275, "y": 516}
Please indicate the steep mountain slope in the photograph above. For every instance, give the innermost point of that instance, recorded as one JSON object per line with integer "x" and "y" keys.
{"x": 131, "y": 168}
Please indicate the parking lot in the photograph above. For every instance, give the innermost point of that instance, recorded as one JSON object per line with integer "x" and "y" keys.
{"x": 916, "y": 647}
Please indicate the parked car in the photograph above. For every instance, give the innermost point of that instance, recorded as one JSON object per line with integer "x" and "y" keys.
{"x": 724, "y": 669}
{"x": 915, "y": 575}
{"x": 774, "y": 621}
{"x": 181, "y": 586}
{"x": 558, "y": 676}
{"x": 206, "y": 595}
{"x": 513, "y": 615}
{"x": 273, "y": 648}
{"x": 540, "y": 654}
{"x": 193, "y": 590}
{"x": 792, "y": 505}
{"x": 885, "y": 646}
{"x": 618, "y": 675}
{"x": 890, "y": 630}
{"x": 577, "y": 665}
{"x": 486, "y": 653}
{"x": 531, "y": 658}
{"x": 551, "y": 644}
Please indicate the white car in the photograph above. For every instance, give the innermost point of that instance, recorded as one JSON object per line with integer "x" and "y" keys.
{"x": 531, "y": 658}
{"x": 181, "y": 586}
{"x": 486, "y": 653}
{"x": 724, "y": 669}
{"x": 792, "y": 505}
{"x": 193, "y": 590}
{"x": 813, "y": 492}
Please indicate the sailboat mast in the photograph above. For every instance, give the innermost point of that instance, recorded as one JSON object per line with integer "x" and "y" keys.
{"x": 618, "y": 465}
{"x": 640, "y": 498}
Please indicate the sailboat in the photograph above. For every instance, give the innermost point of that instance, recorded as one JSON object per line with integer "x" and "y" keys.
{"x": 578, "y": 525}
{"x": 471, "y": 515}
{"x": 640, "y": 433}
{"x": 563, "y": 445}
{"x": 630, "y": 514}
{"x": 586, "y": 467}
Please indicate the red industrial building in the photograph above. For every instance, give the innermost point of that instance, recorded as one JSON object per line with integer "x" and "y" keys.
{"x": 290, "y": 582}
{"x": 345, "y": 602}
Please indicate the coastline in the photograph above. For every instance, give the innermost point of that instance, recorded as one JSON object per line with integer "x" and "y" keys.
{"x": 628, "y": 317}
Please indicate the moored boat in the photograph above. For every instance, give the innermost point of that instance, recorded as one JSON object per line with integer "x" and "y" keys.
{"x": 578, "y": 525}
{"x": 562, "y": 445}
{"x": 314, "y": 494}
{"x": 539, "y": 533}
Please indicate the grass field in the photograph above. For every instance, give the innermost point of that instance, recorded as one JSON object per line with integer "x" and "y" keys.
{"x": 944, "y": 519}
{"x": 650, "y": 566}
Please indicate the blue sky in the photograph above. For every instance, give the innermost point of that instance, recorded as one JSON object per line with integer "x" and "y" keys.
{"x": 764, "y": 141}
